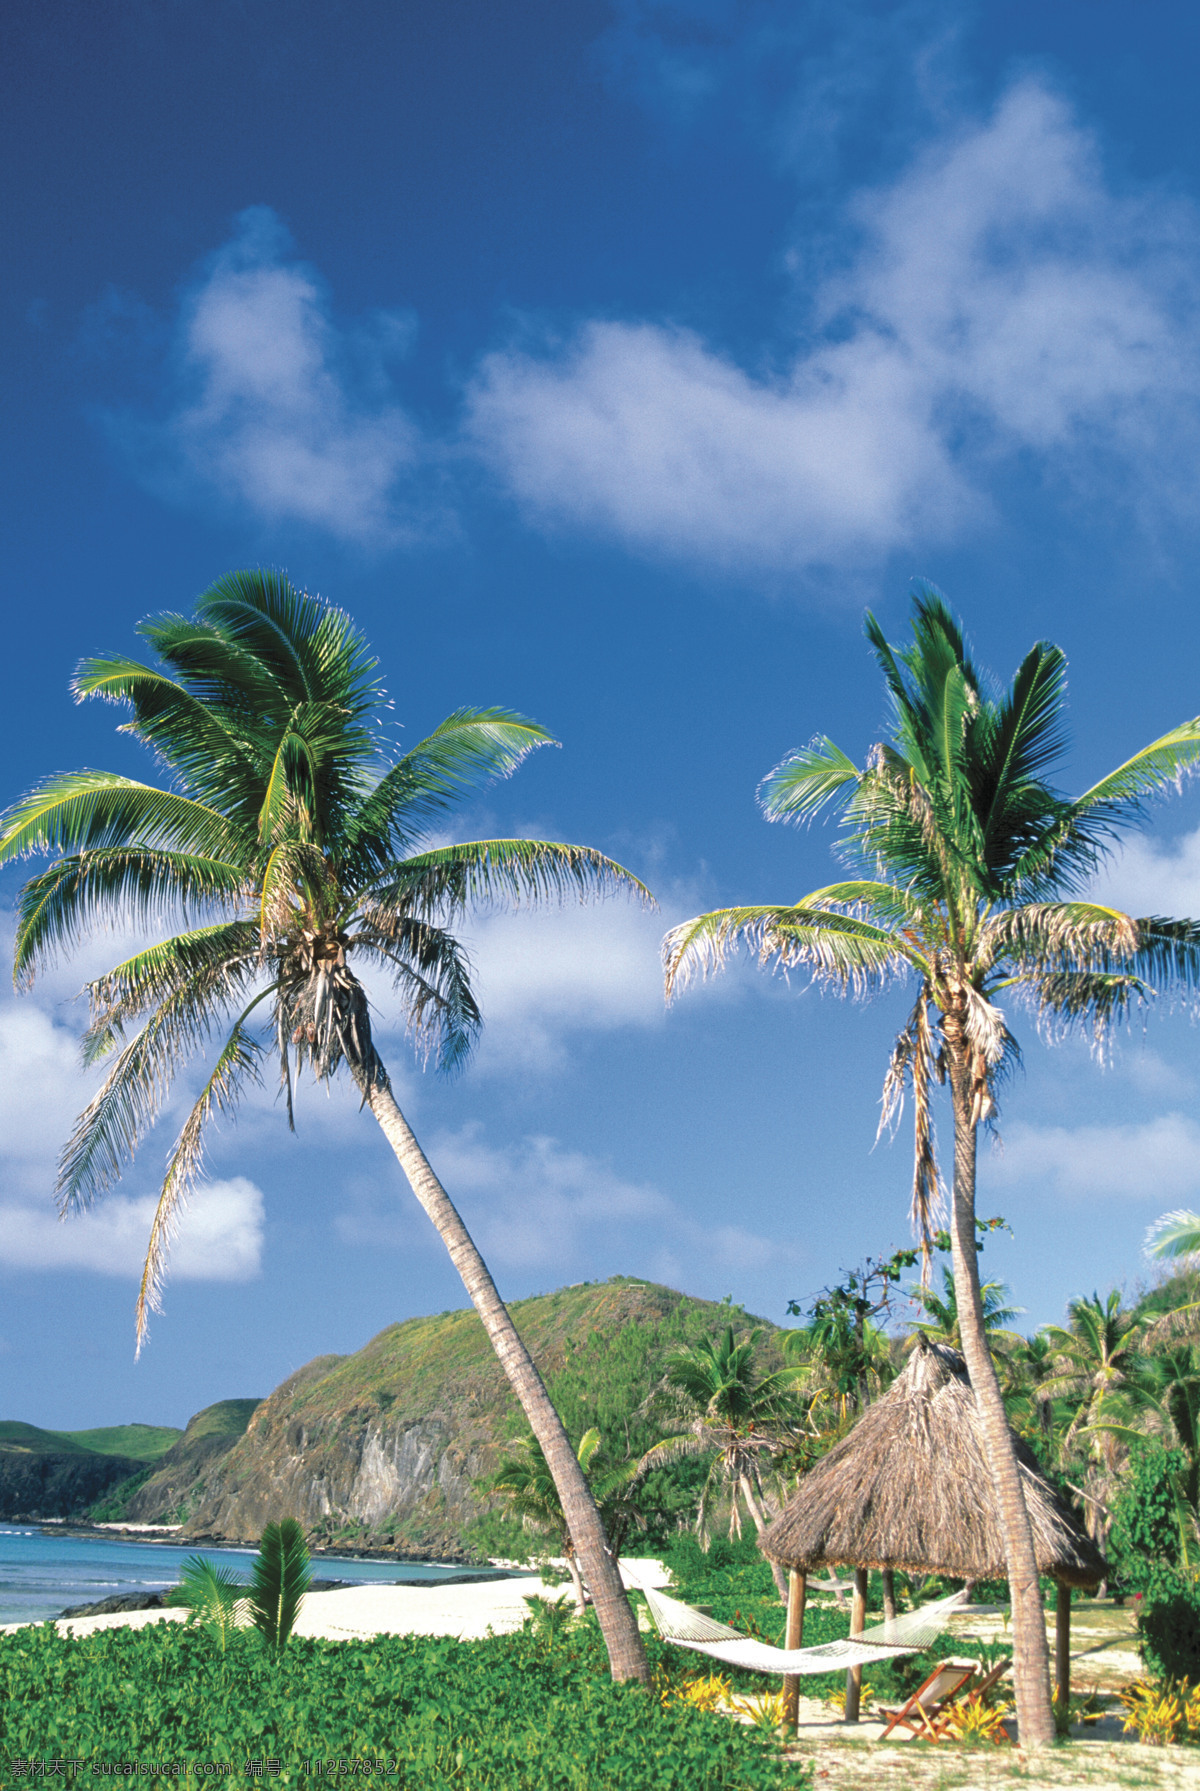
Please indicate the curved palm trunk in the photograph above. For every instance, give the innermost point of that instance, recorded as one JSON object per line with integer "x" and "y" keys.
{"x": 1031, "y": 1662}
{"x": 627, "y": 1656}
{"x": 760, "y": 1524}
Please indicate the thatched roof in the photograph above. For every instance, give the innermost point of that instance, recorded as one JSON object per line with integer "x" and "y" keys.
{"x": 909, "y": 1488}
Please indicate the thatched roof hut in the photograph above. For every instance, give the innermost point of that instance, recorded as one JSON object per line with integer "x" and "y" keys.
{"x": 909, "y": 1488}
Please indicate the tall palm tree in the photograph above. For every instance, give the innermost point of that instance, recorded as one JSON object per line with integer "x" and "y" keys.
{"x": 740, "y": 1417}
{"x": 968, "y": 873}
{"x": 287, "y": 842}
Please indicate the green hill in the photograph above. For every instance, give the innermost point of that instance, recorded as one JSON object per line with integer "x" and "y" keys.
{"x": 390, "y": 1445}
{"x": 45, "y": 1473}
{"x": 167, "y": 1494}
{"x": 138, "y": 1442}
{"x": 28, "y": 1439}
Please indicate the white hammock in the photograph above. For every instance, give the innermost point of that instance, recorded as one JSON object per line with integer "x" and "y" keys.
{"x": 680, "y": 1624}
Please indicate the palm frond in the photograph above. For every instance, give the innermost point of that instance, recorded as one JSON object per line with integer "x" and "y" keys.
{"x": 802, "y": 784}
{"x": 1121, "y": 796}
{"x": 1046, "y": 936}
{"x": 432, "y": 973}
{"x": 238, "y": 1062}
{"x": 126, "y": 991}
{"x": 448, "y": 879}
{"x": 1175, "y": 1236}
{"x": 1085, "y": 1000}
{"x": 471, "y": 748}
{"x": 109, "y": 1129}
{"x": 115, "y": 885}
{"x": 280, "y": 1579}
{"x": 85, "y": 811}
{"x": 915, "y": 1063}
{"x": 848, "y": 954}
{"x": 196, "y": 740}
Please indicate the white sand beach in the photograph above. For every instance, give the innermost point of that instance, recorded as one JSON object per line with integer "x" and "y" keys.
{"x": 355, "y": 1612}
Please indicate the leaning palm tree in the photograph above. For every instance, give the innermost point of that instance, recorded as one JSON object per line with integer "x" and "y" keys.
{"x": 285, "y": 841}
{"x": 967, "y": 877}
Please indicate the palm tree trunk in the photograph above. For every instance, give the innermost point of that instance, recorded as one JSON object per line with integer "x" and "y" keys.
{"x": 889, "y": 1594}
{"x": 627, "y": 1656}
{"x": 760, "y": 1524}
{"x": 1031, "y": 1663}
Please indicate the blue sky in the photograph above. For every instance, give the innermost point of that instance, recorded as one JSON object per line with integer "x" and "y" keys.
{"x": 606, "y": 361}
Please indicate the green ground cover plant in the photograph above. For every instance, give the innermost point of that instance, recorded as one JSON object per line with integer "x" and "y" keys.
{"x": 534, "y": 1711}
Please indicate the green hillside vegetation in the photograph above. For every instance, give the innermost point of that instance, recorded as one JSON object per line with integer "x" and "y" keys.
{"x": 29, "y": 1439}
{"x": 137, "y": 1442}
{"x": 167, "y": 1493}
{"x": 602, "y": 1348}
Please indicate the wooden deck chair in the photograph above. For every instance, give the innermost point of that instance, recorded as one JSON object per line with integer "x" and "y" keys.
{"x": 992, "y": 1678}
{"x": 929, "y": 1700}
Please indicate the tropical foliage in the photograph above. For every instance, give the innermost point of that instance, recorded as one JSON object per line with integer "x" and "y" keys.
{"x": 741, "y": 1421}
{"x": 288, "y": 851}
{"x": 968, "y": 878}
{"x": 512, "y": 1713}
{"x": 526, "y": 1486}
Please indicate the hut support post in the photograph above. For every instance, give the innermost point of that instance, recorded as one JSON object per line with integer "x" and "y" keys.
{"x": 858, "y": 1619}
{"x": 1062, "y": 1645}
{"x": 793, "y": 1638}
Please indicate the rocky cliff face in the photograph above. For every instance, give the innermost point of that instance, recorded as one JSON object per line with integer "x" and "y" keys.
{"x": 45, "y": 1483}
{"x": 177, "y": 1483}
{"x": 395, "y": 1440}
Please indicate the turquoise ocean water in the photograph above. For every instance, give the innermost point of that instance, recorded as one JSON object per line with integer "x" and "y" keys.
{"x": 41, "y": 1572}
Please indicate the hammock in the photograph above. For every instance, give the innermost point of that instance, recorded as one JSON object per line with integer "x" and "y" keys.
{"x": 680, "y": 1624}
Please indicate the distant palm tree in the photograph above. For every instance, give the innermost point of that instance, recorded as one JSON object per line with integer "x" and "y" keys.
{"x": 845, "y": 1360}
{"x": 941, "y": 1321}
{"x": 289, "y": 843}
{"x": 967, "y": 869}
{"x": 739, "y": 1417}
{"x": 1099, "y": 1368}
{"x": 524, "y": 1481}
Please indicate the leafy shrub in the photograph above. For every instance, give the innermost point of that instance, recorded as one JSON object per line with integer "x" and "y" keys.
{"x": 1145, "y": 1527}
{"x": 505, "y": 1714}
{"x": 1168, "y": 1623}
{"x": 112, "y": 1507}
{"x": 1158, "y": 1714}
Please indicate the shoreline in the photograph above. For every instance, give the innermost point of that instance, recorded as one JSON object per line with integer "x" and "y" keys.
{"x": 171, "y": 1536}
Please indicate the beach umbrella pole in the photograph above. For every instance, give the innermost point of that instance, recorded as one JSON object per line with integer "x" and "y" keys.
{"x": 793, "y": 1638}
{"x": 858, "y": 1618}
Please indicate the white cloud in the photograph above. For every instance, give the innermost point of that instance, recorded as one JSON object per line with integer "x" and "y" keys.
{"x": 219, "y": 1239}
{"x": 547, "y": 974}
{"x": 537, "y": 1205}
{"x": 41, "y": 1086}
{"x": 1154, "y": 877}
{"x": 279, "y": 410}
{"x": 1158, "y": 1160}
{"x": 1003, "y": 301}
